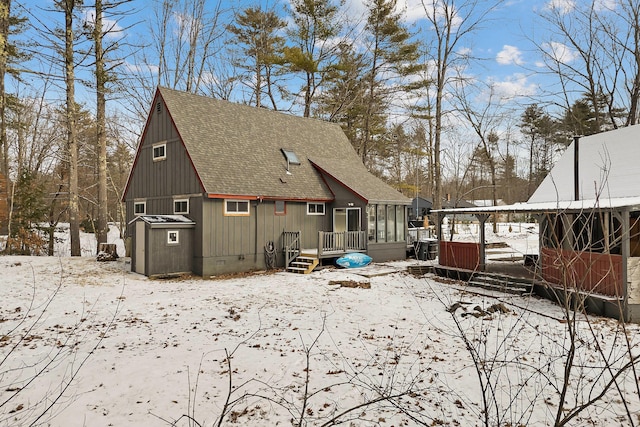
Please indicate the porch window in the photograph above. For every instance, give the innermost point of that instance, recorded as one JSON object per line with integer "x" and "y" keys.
{"x": 236, "y": 207}
{"x": 381, "y": 223}
{"x": 391, "y": 223}
{"x": 173, "y": 237}
{"x": 181, "y": 206}
{"x": 159, "y": 152}
{"x": 400, "y": 231}
{"x": 139, "y": 208}
{"x": 315, "y": 208}
{"x": 281, "y": 207}
{"x": 371, "y": 223}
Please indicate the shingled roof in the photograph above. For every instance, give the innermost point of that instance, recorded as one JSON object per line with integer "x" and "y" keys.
{"x": 237, "y": 150}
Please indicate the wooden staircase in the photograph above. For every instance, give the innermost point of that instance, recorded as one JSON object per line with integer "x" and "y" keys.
{"x": 303, "y": 264}
{"x": 502, "y": 283}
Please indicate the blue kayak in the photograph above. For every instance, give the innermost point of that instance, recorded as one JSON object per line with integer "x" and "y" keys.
{"x": 353, "y": 260}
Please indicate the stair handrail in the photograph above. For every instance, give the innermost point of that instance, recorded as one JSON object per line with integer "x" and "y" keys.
{"x": 291, "y": 243}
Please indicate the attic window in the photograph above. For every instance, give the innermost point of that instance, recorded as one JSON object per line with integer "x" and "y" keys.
{"x": 159, "y": 152}
{"x": 139, "y": 208}
{"x": 291, "y": 157}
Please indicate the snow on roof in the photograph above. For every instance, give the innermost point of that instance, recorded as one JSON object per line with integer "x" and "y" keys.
{"x": 486, "y": 202}
{"x": 607, "y": 168}
{"x": 164, "y": 219}
{"x": 558, "y": 205}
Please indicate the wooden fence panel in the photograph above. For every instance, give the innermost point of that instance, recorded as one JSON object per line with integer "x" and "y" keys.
{"x": 584, "y": 271}
{"x": 464, "y": 255}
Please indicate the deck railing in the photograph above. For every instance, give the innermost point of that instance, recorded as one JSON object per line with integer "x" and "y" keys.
{"x": 330, "y": 242}
{"x": 464, "y": 255}
{"x": 291, "y": 245}
{"x": 583, "y": 271}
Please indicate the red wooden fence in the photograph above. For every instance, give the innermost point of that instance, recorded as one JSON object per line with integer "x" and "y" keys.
{"x": 585, "y": 271}
{"x": 459, "y": 255}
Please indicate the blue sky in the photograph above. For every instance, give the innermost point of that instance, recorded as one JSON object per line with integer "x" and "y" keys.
{"x": 506, "y": 57}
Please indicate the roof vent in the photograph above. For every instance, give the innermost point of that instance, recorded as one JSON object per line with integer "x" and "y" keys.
{"x": 159, "y": 107}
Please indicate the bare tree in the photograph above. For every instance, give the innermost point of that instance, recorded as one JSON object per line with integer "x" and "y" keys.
{"x": 485, "y": 118}
{"x": 451, "y": 22}
{"x": 69, "y": 7}
{"x": 101, "y": 78}
{"x": 5, "y": 11}
{"x": 594, "y": 51}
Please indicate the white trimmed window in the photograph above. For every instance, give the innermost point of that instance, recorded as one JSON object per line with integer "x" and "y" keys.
{"x": 181, "y": 206}
{"x": 236, "y": 207}
{"x": 139, "y": 208}
{"x": 159, "y": 151}
{"x": 315, "y": 208}
{"x": 173, "y": 237}
{"x": 281, "y": 207}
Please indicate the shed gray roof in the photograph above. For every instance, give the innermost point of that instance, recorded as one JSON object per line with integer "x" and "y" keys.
{"x": 236, "y": 150}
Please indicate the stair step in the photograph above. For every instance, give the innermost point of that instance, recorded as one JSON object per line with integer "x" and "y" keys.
{"x": 502, "y": 287}
{"x": 303, "y": 264}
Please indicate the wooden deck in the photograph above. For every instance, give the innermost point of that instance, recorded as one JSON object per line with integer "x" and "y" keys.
{"x": 598, "y": 304}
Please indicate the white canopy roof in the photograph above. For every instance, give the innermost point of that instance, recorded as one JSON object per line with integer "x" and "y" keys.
{"x": 608, "y": 177}
{"x": 633, "y": 203}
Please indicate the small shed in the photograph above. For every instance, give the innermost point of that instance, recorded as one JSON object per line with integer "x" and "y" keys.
{"x": 163, "y": 245}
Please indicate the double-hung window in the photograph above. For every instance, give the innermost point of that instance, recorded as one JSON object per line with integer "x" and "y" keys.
{"x": 315, "y": 208}
{"x": 181, "y": 206}
{"x": 236, "y": 207}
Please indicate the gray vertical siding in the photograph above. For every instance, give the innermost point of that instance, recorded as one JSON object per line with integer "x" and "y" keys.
{"x": 236, "y": 243}
{"x": 158, "y": 181}
{"x": 163, "y": 258}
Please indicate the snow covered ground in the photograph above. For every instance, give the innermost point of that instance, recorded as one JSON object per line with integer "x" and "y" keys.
{"x": 106, "y": 347}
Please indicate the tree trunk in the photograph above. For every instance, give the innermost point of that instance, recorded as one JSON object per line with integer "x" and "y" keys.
{"x": 72, "y": 143}
{"x": 5, "y": 9}
{"x": 103, "y": 228}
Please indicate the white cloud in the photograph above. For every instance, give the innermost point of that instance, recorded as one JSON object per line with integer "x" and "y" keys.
{"x": 413, "y": 10}
{"x": 602, "y": 5}
{"x": 109, "y": 26}
{"x": 560, "y": 52}
{"x": 513, "y": 87}
{"x": 561, "y": 6}
{"x": 509, "y": 55}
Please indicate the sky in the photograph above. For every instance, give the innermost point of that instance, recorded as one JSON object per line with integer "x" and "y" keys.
{"x": 508, "y": 59}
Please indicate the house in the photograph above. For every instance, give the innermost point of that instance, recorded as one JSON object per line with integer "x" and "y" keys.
{"x": 242, "y": 188}
{"x": 421, "y": 207}
{"x": 588, "y": 209}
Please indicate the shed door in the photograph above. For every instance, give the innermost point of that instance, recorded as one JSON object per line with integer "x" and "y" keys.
{"x": 140, "y": 249}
